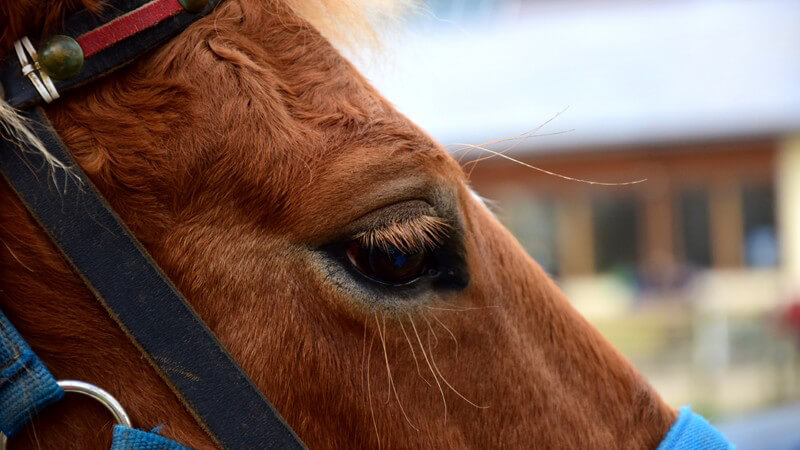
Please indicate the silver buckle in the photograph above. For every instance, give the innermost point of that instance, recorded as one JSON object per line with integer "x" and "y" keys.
{"x": 90, "y": 390}
{"x": 32, "y": 70}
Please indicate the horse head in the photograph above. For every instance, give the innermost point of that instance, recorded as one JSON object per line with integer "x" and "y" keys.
{"x": 332, "y": 246}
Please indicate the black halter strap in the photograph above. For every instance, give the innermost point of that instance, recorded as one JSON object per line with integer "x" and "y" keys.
{"x": 114, "y": 265}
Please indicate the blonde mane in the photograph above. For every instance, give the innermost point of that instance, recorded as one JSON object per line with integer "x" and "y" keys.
{"x": 14, "y": 128}
{"x": 352, "y": 22}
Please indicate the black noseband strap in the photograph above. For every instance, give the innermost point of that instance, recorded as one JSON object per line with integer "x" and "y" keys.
{"x": 112, "y": 263}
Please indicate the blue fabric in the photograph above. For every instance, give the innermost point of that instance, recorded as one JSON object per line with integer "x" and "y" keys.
{"x": 26, "y": 386}
{"x": 132, "y": 439}
{"x": 692, "y": 432}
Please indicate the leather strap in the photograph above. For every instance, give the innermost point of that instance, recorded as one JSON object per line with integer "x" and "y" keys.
{"x": 140, "y": 298}
{"x": 105, "y": 48}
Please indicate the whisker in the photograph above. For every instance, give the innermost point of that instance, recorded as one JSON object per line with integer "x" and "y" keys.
{"x": 413, "y": 353}
{"x": 474, "y": 162}
{"x": 363, "y": 349}
{"x": 448, "y": 330}
{"x": 521, "y": 137}
{"x": 554, "y": 174}
{"x": 389, "y": 371}
{"x": 441, "y": 391}
{"x": 469, "y": 307}
{"x": 435, "y": 338}
{"x": 369, "y": 393}
{"x": 385, "y": 356}
{"x": 14, "y": 255}
{"x": 436, "y": 308}
{"x": 433, "y": 361}
{"x": 518, "y": 139}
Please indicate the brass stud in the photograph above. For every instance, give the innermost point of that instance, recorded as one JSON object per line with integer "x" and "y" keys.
{"x": 61, "y": 57}
{"x": 193, "y": 5}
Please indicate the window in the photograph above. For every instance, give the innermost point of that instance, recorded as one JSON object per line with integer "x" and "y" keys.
{"x": 692, "y": 238}
{"x": 760, "y": 234}
{"x": 533, "y": 221}
{"x": 616, "y": 233}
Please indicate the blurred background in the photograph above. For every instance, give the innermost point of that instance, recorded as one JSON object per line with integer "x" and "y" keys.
{"x": 694, "y": 273}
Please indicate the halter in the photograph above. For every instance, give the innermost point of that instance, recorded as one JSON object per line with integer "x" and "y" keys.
{"x": 97, "y": 244}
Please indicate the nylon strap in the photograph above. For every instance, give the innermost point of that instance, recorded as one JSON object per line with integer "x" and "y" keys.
{"x": 26, "y": 386}
{"x": 692, "y": 432}
{"x": 132, "y": 439}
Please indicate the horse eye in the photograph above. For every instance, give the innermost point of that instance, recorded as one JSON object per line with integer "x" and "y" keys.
{"x": 389, "y": 265}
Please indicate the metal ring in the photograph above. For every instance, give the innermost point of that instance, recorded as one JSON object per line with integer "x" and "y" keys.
{"x": 90, "y": 390}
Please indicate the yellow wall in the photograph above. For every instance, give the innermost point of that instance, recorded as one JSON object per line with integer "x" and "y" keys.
{"x": 788, "y": 204}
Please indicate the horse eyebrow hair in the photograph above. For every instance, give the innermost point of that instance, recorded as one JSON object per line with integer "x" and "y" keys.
{"x": 411, "y": 235}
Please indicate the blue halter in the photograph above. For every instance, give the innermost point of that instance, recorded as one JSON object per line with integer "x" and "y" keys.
{"x": 692, "y": 432}
{"x": 27, "y": 387}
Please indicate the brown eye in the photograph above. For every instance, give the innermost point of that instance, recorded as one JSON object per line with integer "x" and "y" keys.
{"x": 388, "y": 265}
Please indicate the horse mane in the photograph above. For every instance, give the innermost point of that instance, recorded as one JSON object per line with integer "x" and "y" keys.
{"x": 351, "y": 22}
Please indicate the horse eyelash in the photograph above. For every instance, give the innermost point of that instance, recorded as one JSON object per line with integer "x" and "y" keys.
{"x": 410, "y": 235}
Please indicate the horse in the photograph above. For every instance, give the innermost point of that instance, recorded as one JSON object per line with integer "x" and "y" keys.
{"x": 335, "y": 250}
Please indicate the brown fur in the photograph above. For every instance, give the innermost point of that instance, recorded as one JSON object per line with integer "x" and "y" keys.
{"x": 231, "y": 152}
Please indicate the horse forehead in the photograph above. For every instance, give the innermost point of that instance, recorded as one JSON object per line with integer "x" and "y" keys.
{"x": 312, "y": 126}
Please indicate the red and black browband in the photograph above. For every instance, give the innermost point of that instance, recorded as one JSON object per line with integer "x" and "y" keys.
{"x": 98, "y": 245}
{"x": 123, "y": 31}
